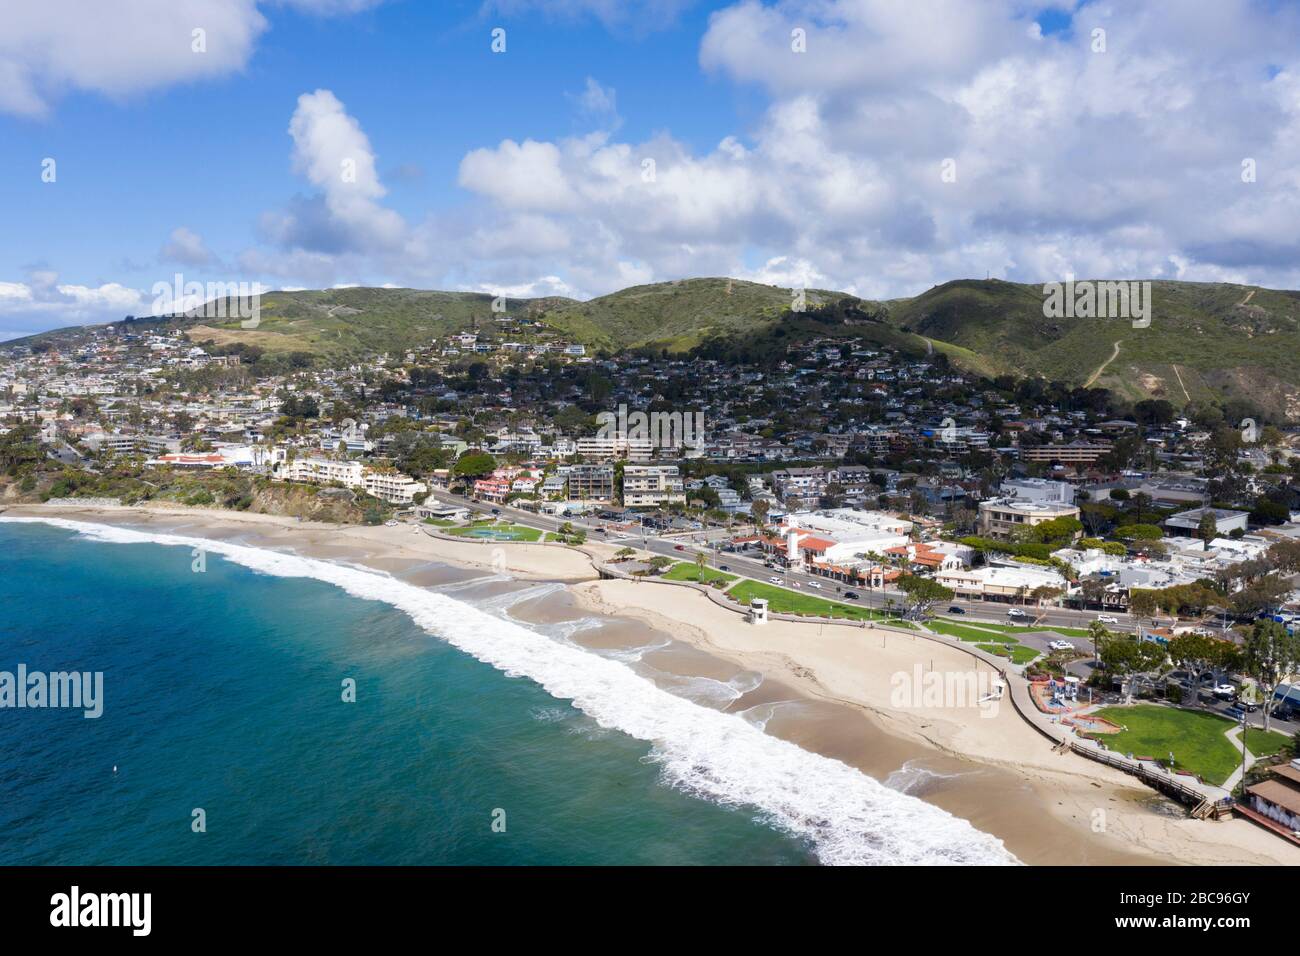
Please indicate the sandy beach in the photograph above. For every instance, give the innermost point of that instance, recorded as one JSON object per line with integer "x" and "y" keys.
{"x": 980, "y": 762}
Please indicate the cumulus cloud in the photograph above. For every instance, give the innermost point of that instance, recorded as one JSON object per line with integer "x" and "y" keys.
{"x": 31, "y": 304}
{"x": 910, "y": 145}
{"x": 334, "y": 154}
{"x": 118, "y": 49}
{"x": 916, "y": 143}
{"x": 187, "y": 247}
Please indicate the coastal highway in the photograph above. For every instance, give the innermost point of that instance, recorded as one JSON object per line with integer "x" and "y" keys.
{"x": 745, "y": 566}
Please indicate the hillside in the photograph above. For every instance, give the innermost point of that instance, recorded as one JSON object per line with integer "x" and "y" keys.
{"x": 677, "y": 315}
{"x": 1205, "y": 340}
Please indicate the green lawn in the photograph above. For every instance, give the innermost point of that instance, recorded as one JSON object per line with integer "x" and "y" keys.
{"x": 783, "y": 601}
{"x": 961, "y": 631}
{"x": 1264, "y": 743}
{"x": 1019, "y": 653}
{"x": 1196, "y": 738}
{"x": 1021, "y": 628}
{"x": 440, "y": 522}
{"x": 688, "y": 571}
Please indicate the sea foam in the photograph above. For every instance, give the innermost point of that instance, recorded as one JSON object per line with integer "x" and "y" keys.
{"x": 844, "y": 815}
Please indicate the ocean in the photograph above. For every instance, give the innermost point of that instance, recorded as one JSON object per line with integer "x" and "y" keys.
{"x": 473, "y": 738}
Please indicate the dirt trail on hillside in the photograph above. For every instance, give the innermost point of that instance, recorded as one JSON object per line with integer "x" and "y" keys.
{"x": 1102, "y": 367}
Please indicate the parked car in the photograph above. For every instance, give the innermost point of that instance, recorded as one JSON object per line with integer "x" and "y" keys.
{"x": 1236, "y": 713}
{"x": 1225, "y": 692}
{"x": 1107, "y": 619}
{"x": 1060, "y": 645}
{"x": 723, "y": 567}
{"x": 954, "y": 609}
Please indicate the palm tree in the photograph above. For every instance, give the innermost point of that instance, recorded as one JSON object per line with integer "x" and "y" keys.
{"x": 1098, "y": 634}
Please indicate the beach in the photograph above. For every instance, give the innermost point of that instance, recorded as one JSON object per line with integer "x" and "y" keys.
{"x": 831, "y": 690}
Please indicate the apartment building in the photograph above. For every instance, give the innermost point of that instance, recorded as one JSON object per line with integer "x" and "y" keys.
{"x": 591, "y": 483}
{"x": 1005, "y": 517}
{"x": 1075, "y": 453}
{"x": 388, "y": 485}
{"x": 652, "y": 486}
{"x": 615, "y": 446}
{"x": 800, "y": 488}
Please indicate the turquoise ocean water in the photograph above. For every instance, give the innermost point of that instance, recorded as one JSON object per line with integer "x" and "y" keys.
{"x": 222, "y": 691}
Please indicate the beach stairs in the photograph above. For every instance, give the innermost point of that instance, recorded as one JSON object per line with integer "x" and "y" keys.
{"x": 1062, "y": 746}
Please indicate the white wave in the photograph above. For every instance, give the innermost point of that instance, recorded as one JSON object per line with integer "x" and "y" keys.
{"x": 629, "y": 655}
{"x": 761, "y": 714}
{"x": 846, "y": 816}
{"x": 472, "y": 582}
{"x": 915, "y": 779}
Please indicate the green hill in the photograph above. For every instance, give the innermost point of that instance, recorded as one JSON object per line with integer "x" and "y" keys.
{"x": 1205, "y": 340}
{"x": 677, "y": 315}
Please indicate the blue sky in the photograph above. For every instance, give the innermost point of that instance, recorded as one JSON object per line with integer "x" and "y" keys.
{"x": 523, "y": 172}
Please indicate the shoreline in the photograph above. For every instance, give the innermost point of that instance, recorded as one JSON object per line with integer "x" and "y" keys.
{"x": 834, "y": 665}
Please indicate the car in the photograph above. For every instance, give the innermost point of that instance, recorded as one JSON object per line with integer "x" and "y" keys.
{"x": 851, "y": 595}
{"x": 723, "y": 567}
{"x": 1107, "y": 619}
{"x": 1225, "y": 691}
{"x": 814, "y": 584}
{"x": 679, "y": 547}
{"x": 496, "y": 511}
{"x": 1236, "y": 713}
{"x": 1016, "y": 614}
{"x": 956, "y": 610}
{"x": 1060, "y": 645}
{"x": 775, "y": 580}
{"x": 390, "y": 524}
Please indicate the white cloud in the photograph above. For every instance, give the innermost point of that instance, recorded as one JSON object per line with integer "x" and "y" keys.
{"x": 128, "y": 47}
{"x": 187, "y": 247}
{"x": 1124, "y": 163}
{"x": 333, "y": 152}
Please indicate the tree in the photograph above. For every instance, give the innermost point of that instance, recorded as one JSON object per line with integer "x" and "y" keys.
{"x": 1269, "y": 656}
{"x": 475, "y": 464}
{"x": 1208, "y": 527}
{"x": 923, "y": 593}
{"x": 1142, "y": 603}
{"x": 1260, "y": 596}
{"x": 1128, "y": 659}
{"x": 1098, "y": 634}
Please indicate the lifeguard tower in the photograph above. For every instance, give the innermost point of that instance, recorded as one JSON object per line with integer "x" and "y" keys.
{"x": 757, "y": 610}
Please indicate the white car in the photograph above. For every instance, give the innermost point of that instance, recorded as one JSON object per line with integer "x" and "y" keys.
{"x": 1225, "y": 690}
{"x": 1060, "y": 645}
{"x": 1017, "y": 614}
{"x": 1107, "y": 619}
{"x": 814, "y": 584}
{"x": 775, "y": 580}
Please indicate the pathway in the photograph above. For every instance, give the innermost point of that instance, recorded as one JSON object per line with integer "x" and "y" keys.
{"x": 1102, "y": 367}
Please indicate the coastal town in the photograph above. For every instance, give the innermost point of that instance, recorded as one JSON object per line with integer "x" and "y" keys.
{"x": 1129, "y": 567}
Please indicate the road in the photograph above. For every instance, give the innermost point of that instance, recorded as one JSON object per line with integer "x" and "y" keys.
{"x": 976, "y": 611}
